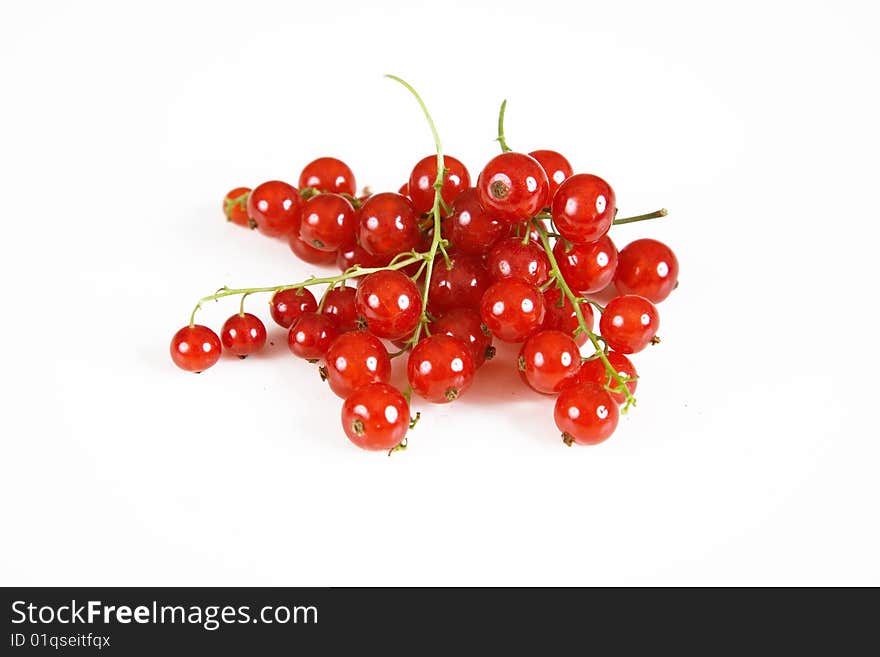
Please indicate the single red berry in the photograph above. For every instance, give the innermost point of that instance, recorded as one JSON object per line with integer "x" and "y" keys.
{"x": 585, "y": 414}
{"x": 587, "y": 268}
{"x": 460, "y": 286}
{"x": 471, "y": 230}
{"x": 556, "y": 167}
{"x": 583, "y": 208}
{"x": 356, "y": 359}
{"x": 466, "y": 325}
{"x": 512, "y": 309}
{"x": 510, "y": 258}
{"x": 548, "y": 361}
{"x": 275, "y": 207}
{"x": 235, "y": 206}
{"x": 353, "y": 254}
{"x": 629, "y": 323}
{"x": 440, "y": 368}
{"x": 647, "y": 268}
{"x": 376, "y": 417}
{"x": 287, "y": 305}
{"x": 388, "y": 224}
{"x": 390, "y": 304}
{"x": 307, "y": 253}
{"x": 243, "y": 335}
{"x": 404, "y": 189}
{"x": 513, "y": 187}
{"x": 561, "y": 316}
{"x": 310, "y": 335}
{"x": 328, "y": 222}
{"x": 424, "y": 174}
{"x": 195, "y": 348}
{"x": 593, "y": 371}
{"x": 328, "y": 174}
{"x": 339, "y": 306}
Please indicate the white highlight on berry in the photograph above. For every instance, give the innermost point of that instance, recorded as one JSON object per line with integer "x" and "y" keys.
{"x": 645, "y": 319}
{"x": 601, "y": 203}
{"x": 233, "y": 332}
{"x": 340, "y": 181}
{"x": 206, "y": 347}
{"x": 662, "y": 269}
{"x": 533, "y": 267}
{"x": 531, "y": 183}
{"x": 398, "y": 222}
{"x": 341, "y": 363}
{"x": 464, "y": 218}
{"x": 312, "y": 219}
{"x": 504, "y": 267}
{"x": 457, "y": 365}
{"x": 373, "y": 301}
{"x": 340, "y": 219}
{"x": 454, "y": 179}
{"x": 559, "y": 176}
{"x": 527, "y": 305}
{"x": 498, "y": 308}
{"x": 183, "y": 347}
{"x": 425, "y": 367}
{"x": 372, "y": 363}
{"x": 287, "y": 204}
{"x": 262, "y": 205}
{"x": 574, "y": 412}
{"x": 300, "y": 336}
{"x": 571, "y": 206}
{"x": 424, "y": 183}
{"x": 538, "y": 359}
{"x": 253, "y": 333}
{"x": 391, "y": 414}
{"x": 372, "y": 223}
{"x": 601, "y": 412}
{"x": 617, "y": 321}
{"x": 602, "y": 259}
{"x": 403, "y": 302}
{"x": 565, "y": 359}
{"x": 361, "y": 410}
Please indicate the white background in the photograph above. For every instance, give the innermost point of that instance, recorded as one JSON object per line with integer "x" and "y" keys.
{"x": 752, "y": 456}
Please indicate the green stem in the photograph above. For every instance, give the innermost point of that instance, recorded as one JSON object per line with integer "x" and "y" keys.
{"x": 642, "y": 217}
{"x": 231, "y": 203}
{"x": 501, "y": 141}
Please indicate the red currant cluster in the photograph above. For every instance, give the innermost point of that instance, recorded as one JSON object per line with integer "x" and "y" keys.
{"x": 441, "y": 268}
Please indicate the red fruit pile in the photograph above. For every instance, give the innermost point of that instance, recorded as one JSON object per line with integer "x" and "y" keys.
{"x": 441, "y": 268}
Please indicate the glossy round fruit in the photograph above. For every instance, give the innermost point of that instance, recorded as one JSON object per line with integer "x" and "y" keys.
{"x": 339, "y": 305}
{"x": 376, "y": 417}
{"x": 275, "y": 207}
{"x": 390, "y": 304}
{"x": 421, "y": 182}
{"x": 629, "y": 323}
{"x": 510, "y": 258}
{"x": 585, "y": 414}
{"x": 308, "y": 253}
{"x": 353, "y": 254}
{"x": 470, "y": 229}
{"x": 328, "y": 222}
{"x": 513, "y": 187}
{"x": 556, "y": 167}
{"x": 388, "y": 224}
{"x": 328, "y": 175}
{"x": 593, "y": 371}
{"x": 310, "y": 335}
{"x": 243, "y": 335}
{"x": 440, "y": 368}
{"x": 647, "y": 268}
{"x": 195, "y": 348}
{"x": 235, "y": 208}
{"x": 512, "y": 309}
{"x": 355, "y": 359}
{"x": 286, "y": 305}
{"x": 466, "y": 325}
{"x": 583, "y": 208}
{"x": 587, "y": 268}
{"x": 548, "y": 360}
{"x": 462, "y": 286}
{"x": 561, "y": 316}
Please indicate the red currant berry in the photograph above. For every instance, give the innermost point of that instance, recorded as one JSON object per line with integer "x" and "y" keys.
{"x": 404, "y": 190}
{"x": 587, "y": 268}
{"x": 548, "y": 360}
{"x": 243, "y": 335}
{"x": 647, "y": 268}
{"x": 510, "y": 258}
{"x": 376, "y": 417}
{"x": 275, "y": 206}
{"x": 287, "y": 305}
{"x": 307, "y": 253}
{"x": 387, "y": 224}
{"x": 513, "y": 187}
{"x": 339, "y": 306}
{"x": 585, "y": 414}
{"x": 629, "y": 323}
{"x": 557, "y": 168}
{"x": 195, "y": 348}
{"x": 461, "y": 286}
{"x": 561, "y": 316}
{"x": 583, "y": 208}
{"x": 471, "y": 230}
{"x": 423, "y": 176}
{"x": 390, "y": 304}
{"x": 593, "y": 371}
{"x": 235, "y": 206}
{"x": 354, "y": 254}
{"x": 354, "y": 360}
{"x": 512, "y": 309}
{"x": 310, "y": 335}
{"x": 328, "y": 222}
{"x": 328, "y": 174}
{"x": 466, "y": 325}
{"x": 440, "y": 368}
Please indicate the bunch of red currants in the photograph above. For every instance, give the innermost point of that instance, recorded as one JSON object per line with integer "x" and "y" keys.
{"x": 440, "y": 269}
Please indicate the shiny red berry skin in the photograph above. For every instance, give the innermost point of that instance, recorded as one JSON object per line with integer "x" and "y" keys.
{"x": 593, "y": 371}
{"x": 307, "y": 253}
{"x": 556, "y": 167}
{"x": 462, "y": 286}
{"x": 356, "y": 359}
{"x": 286, "y": 305}
{"x": 510, "y": 258}
{"x": 328, "y": 222}
{"x": 275, "y": 206}
{"x": 647, "y": 268}
{"x": 420, "y": 187}
{"x": 339, "y": 305}
{"x": 629, "y": 323}
{"x": 195, "y": 348}
{"x": 583, "y": 208}
{"x": 512, "y": 309}
{"x": 440, "y": 368}
{"x": 236, "y": 212}
{"x": 376, "y": 417}
{"x": 310, "y": 335}
{"x": 404, "y": 190}
{"x": 388, "y": 224}
{"x": 472, "y": 230}
{"x": 390, "y": 304}
{"x": 353, "y": 254}
{"x": 561, "y": 316}
{"x": 328, "y": 175}
{"x": 513, "y": 187}
{"x": 587, "y": 268}
{"x": 585, "y": 414}
{"x": 466, "y": 325}
{"x": 243, "y": 335}
{"x": 548, "y": 361}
